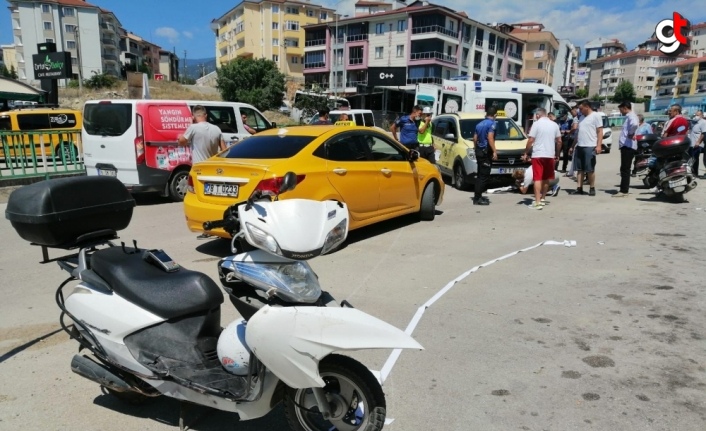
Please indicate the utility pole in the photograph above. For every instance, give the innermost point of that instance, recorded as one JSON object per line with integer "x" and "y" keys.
{"x": 184, "y": 78}
{"x": 78, "y": 59}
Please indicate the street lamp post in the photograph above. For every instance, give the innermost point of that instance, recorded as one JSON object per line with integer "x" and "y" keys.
{"x": 77, "y": 37}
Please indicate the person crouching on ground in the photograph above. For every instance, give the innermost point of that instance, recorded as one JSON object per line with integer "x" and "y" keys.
{"x": 524, "y": 178}
{"x": 545, "y": 143}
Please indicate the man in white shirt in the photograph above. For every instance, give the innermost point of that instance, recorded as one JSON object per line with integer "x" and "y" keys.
{"x": 628, "y": 147}
{"x": 588, "y": 144}
{"x": 545, "y": 143}
{"x": 698, "y": 129}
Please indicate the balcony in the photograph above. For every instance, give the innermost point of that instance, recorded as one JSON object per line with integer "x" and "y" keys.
{"x": 350, "y": 84}
{"x": 357, "y": 37}
{"x": 489, "y": 69}
{"x": 110, "y": 42}
{"x": 479, "y": 42}
{"x": 671, "y": 72}
{"x": 515, "y": 55}
{"x": 605, "y": 72}
{"x": 315, "y": 42}
{"x": 435, "y": 29}
{"x": 477, "y": 66}
{"x": 424, "y": 80}
{"x": 108, "y": 26}
{"x": 110, "y": 57}
{"x": 515, "y": 76}
{"x": 466, "y": 39}
{"x": 353, "y": 61}
{"x": 314, "y": 65}
{"x": 433, "y": 55}
{"x": 491, "y": 47}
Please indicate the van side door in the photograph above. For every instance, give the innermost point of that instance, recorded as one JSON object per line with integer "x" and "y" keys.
{"x": 224, "y": 118}
{"x": 254, "y": 119}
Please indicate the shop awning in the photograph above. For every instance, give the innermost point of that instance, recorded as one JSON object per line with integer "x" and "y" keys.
{"x": 11, "y": 89}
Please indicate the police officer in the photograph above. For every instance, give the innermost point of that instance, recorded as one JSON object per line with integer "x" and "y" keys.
{"x": 407, "y": 126}
{"x": 484, "y": 146}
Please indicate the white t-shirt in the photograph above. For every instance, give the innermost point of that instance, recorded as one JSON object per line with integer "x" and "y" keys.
{"x": 697, "y": 130}
{"x": 544, "y": 131}
{"x": 529, "y": 176}
{"x": 588, "y": 130}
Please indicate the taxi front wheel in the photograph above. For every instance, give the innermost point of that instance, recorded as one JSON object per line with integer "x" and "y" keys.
{"x": 427, "y": 209}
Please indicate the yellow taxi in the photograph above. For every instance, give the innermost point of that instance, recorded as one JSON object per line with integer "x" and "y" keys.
{"x": 61, "y": 137}
{"x": 375, "y": 176}
{"x": 453, "y": 138}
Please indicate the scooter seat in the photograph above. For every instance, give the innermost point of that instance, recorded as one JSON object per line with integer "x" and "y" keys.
{"x": 166, "y": 294}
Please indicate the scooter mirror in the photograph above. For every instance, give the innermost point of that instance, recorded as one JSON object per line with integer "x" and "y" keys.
{"x": 288, "y": 182}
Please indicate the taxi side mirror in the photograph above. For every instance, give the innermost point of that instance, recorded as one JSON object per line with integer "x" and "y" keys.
{"x": 450, "y": 136}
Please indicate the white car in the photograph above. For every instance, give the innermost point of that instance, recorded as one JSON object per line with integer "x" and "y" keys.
{"x": 607, "y": 133}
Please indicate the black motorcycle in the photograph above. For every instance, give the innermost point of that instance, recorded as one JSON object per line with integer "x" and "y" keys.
{"x": 669, "y": 167}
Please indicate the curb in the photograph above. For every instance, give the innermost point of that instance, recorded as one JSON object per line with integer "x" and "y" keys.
{"x": 12, "y": 182}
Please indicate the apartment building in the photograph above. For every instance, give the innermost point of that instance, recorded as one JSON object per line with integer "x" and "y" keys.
{"x": 697, "y": 40}
{"x": 639, "y": 67}
{"x": 8, "y": 56}
{"x": 168, "y": 65}
{"x": 682, "y": 82}
{"x": 540, "y": 56}
{"x": 418, "y": 43}
{"x": 75, "y": 26}
{"x": 271, "y": 29}
{"x": 371, "y": 7}
{"x": 601, "y": 47}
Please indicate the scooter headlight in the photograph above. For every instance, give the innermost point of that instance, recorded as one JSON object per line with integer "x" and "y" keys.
{"x": 336, "y": 236}
{"x": 293, "y": 282}
{"x": 263, "y": 239}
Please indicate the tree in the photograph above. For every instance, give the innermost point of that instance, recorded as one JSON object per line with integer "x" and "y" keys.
{"x": 254, "y": 81}
{"x": 13, "y": 72}
{"x": 582, "y": 93}
{"x": 596, "y": 97}
{"x": 4, "y": 72}
{"x": 312, "y": 103}
{"x": 625, "y": 92}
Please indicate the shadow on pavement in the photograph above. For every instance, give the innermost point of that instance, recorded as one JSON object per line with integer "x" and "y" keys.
{"x": 167, "y": 410}
{"x": 146, "y": 199}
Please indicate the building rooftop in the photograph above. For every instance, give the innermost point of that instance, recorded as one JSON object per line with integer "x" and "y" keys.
{"x": 302, "y": 2}
{"x": 78, "y": 3}
{"x": 635, "y": 53}
{"x": 373, "y": 3}
{"x": 686, "y": 62}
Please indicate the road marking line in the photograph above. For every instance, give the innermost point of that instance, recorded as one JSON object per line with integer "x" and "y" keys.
{"x": 392, "y": 359}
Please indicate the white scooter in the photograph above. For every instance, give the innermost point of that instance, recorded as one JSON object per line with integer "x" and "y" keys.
{"x": 153, "y": 327}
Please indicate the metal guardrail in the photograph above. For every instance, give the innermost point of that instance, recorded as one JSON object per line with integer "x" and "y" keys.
{"x": 315, "y": 42}
{"x": 40, "y": 154}
{"x": 435, "y": 29}
{"x": 429, "y": 55}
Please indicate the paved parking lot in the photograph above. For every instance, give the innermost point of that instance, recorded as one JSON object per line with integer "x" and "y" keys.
{"x": 608, "y": 334}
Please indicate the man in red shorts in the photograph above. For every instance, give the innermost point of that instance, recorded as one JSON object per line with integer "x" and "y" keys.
{"x": 545, "y": 142}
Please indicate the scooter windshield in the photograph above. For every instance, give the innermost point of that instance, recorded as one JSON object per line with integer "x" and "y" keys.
{"x": 291, "y": 282}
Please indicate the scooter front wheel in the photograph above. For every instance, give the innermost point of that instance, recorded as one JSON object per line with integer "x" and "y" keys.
{"x": 354, "y": 395}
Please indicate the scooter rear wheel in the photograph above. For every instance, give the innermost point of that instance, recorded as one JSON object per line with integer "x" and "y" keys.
{"x": 355, "y": 396}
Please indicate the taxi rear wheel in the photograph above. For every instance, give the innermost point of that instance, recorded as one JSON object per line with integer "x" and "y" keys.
{"x": 427, "y": 209}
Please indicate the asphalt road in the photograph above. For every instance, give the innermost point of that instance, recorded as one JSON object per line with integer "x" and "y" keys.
{"x": 608, "y": 334}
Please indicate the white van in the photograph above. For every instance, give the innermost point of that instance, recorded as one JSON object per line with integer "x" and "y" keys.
{"x": 607, "y": 133}
{"x": 361, "y": 117}
{"x": 136, "y": 140}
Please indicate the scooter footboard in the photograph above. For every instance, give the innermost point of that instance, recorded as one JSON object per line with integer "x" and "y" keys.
{"x": 305, "y": 335}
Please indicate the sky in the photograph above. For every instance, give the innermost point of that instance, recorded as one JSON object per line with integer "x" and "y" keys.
{"x": 185, "y": 24}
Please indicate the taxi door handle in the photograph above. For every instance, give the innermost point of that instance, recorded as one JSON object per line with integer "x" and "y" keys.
{"x": 340, "y": 171}
{"x": 386, "y": 171}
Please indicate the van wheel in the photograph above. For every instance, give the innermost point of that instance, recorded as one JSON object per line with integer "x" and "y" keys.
{"x": 65, "y": 151}
{"x": 178, "y": 184}
{"x": 459, "y": 177}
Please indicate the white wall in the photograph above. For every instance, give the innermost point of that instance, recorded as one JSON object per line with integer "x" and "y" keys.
{"x": 90, "y": 39}
{"x": 389, "y": 41}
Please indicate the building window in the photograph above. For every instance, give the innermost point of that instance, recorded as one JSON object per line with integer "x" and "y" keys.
{"x": 295, "y": 60}
{"x": 70, "y": 28}
{"x": 542, "y": 47}
{"x": 400, "y": 50}
{"x": 68, "y": 11}
{"x": 70, "y": 44}
{"x": 292, "y": 25}
{"x": 275, "y": 26}
{"x": 240, "y": 27}
{"x": 323, "y": 15}
{"x": 293, "y": 10}
{"x": 275, "y": 58}
{"x": 49, "y": 40}
{"x": 46, "y": 8}
{"x": 47, "y": 25}
{"x": 291, "y": 42}
{"x": 74, "y": 61}
{"x": 275, "y": 42}
{"x": 380, "y": 28}
{"x": 402, "y": 25}
{"x": 310, "y": 14}
{"x": 275, "y": 8}
{"x": 378, "y": 52}
{"x": 540, "y": 65}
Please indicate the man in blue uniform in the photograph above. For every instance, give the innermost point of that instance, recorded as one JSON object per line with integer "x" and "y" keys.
{"x": 408, "y": 128}
{"x": 484, "y": 146}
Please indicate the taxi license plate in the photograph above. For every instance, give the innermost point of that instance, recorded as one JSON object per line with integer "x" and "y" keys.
{"x": 107, "y": 172}
{"x": 230, "y": 190}
{"x": 507, "y": 170}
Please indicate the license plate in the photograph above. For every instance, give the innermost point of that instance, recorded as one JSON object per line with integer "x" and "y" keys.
{"x": 107, "y": 172}
{"x": 677, "y": 183}
{"x": 230, "y": 190}
{"x": 507, "y": 170}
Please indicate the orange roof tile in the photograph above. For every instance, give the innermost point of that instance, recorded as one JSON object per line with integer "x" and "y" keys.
{"x": 685, "y": 62}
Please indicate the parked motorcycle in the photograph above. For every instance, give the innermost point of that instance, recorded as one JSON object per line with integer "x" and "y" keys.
{"x": 153, "y": 327}
{"x": 669, "y": 167}
{"x": 644, "y": 152}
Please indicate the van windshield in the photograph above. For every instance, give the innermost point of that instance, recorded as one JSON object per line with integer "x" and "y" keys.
{"x": 107, "y": 119}
{"x": 267, "y": 147}
{"x": 505, "y": 129}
